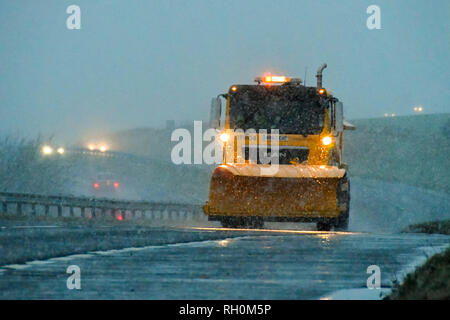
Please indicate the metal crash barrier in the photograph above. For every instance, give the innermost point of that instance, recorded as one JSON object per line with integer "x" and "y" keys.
{"x": 22, "y": 204}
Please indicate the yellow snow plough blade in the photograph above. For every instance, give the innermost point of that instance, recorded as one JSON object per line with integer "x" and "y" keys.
{"x": 292, "y": 191}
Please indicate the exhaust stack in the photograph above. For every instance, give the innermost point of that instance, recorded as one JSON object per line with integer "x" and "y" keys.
{"x": 319, "y": 75}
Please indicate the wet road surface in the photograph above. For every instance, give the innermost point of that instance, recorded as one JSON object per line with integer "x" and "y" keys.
{"x": 141, "y": 262}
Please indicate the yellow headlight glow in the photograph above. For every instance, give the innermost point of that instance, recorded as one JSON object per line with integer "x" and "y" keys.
{"x": 327, "y": 140}
{"x": 224, "y": 137}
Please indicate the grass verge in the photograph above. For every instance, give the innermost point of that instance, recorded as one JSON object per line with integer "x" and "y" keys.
{"x": 430, "y": 281}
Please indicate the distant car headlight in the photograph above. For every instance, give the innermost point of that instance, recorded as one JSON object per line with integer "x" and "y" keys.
{"x": 47, "y": 150}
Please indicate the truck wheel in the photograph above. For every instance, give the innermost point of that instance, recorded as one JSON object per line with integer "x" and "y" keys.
{"x": 341, "y": 223}
{"x": 229, "y": 222}
{"x": 243, "y": 222}
{"x": 255, "y": 223}
{"x": 323, "y": 226}
{"x": 235, "y": 222}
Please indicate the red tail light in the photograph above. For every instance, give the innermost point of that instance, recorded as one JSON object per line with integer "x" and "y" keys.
{"x": 116, "y": 184}
{"x": 96, "y": 185}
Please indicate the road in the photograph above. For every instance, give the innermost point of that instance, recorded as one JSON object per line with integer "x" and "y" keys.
{"x": 200, "y": 260}
{"x": 144, "y": 262}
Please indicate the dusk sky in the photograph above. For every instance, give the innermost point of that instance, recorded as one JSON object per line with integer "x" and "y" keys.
{"x": 140, "y": 63}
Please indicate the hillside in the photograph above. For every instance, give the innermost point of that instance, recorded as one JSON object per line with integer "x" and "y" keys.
{"x": 407, "y": 149}
{"x": 411, "y": 149}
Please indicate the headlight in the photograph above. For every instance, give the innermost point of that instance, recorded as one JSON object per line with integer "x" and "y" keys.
{"x": 224, "y": 137}
{"x": 327, "y": 140}
{"x": 47, "y": 150}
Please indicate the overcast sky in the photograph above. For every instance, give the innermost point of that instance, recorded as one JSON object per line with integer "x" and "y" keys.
{"x": 139, "y": 63}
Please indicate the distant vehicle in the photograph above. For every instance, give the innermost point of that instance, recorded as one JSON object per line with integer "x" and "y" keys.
{"x": 105, "y": 184}
{"x": 101, "y": 147}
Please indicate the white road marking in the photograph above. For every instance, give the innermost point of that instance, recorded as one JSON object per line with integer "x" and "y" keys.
{"x": 28, "y": 264}
{"x": 30, "y": 227}
{"x": 17, "y": 266}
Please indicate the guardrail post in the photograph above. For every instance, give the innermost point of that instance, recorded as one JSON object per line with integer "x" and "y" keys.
{"x": 71, "y": 211}
{"x": 82, "y": 209}
{"x": 93, "y": 209}
{"x": 5, "y": 207}
{"x": 59, "y": 210}
{"x": 33, "y": 209}
{"x": 47, "y": 209}
{"x": 19, "y": 208}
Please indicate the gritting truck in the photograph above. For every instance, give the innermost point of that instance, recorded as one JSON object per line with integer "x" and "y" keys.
{"x": 282, "y": 155}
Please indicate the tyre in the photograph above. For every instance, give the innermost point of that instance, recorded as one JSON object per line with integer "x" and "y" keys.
{"x": 341, "y": 223}
{"x": 255, "y": 222}
{"x": 234, "y": 222}
{"x": 243, "y": 222}
{"x": 323, "y": 226}
{"x": 229, "y": 222}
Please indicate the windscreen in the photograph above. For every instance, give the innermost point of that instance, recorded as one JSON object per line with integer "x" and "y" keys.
{"x": 290, "y": 109}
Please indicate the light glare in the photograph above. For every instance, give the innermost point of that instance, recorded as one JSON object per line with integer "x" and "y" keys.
{"x": 224, "y": 137}
{"x": 47, "y": 150}
{"x": 327, "y": 140}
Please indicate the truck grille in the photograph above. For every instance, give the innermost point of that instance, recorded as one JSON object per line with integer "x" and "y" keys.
{"x": 286, "y": 155}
